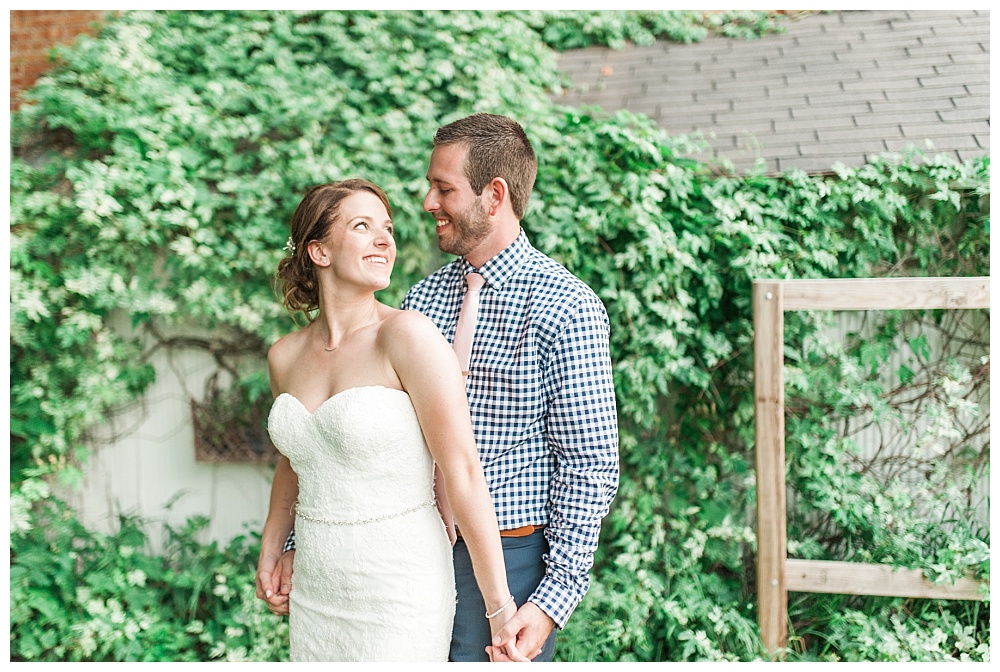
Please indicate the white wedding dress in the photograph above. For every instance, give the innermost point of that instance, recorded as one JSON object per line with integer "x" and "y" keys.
{"x": 373, "y": 577}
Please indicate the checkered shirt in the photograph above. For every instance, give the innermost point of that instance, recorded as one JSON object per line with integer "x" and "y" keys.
{"x": 543, "y": 404}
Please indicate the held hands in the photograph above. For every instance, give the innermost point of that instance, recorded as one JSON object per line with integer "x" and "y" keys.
{"x": 498, "y": 619}
{"x": 274, "y": 582}
{"x": 525, "y": 631}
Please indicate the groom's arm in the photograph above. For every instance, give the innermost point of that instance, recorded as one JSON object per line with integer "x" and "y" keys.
{"x": 582, "y": 428}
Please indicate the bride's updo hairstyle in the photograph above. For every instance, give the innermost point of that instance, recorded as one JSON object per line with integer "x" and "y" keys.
{"x": 296, "y": 274}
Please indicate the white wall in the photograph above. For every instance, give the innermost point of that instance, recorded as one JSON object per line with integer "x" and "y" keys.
{"x": 143, "y": 463}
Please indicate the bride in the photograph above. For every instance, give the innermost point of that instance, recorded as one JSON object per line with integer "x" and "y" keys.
{"x": 368, "y": 399}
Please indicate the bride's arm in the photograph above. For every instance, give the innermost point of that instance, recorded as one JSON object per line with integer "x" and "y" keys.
{"x": 279, "y": 522}
{"x": 280, "y": 518}
{"x": 430, "y": 374}
{"x": 444, "y": 507}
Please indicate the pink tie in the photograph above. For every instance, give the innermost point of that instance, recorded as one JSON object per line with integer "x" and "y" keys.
{"x": 467, "y": 320}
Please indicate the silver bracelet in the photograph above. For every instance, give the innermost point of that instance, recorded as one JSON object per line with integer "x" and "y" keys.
{"x": 505, "y": 605}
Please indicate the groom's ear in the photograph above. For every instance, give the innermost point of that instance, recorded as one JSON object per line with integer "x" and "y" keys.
{"x": 498, "y": 192}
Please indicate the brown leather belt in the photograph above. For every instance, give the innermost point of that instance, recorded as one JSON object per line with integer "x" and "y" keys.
{"x": 516, "y": 532}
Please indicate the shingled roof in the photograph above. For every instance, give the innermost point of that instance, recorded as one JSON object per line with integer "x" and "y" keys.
{"x": 836, "y": 86}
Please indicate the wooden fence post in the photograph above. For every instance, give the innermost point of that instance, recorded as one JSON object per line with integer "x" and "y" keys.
{"x": 769, "y": 436}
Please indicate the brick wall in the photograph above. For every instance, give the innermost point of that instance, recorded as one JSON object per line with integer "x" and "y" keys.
{"x": 33, "y": 33}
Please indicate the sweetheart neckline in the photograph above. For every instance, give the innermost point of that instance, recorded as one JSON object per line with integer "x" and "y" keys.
{"x": 329, "y": 399}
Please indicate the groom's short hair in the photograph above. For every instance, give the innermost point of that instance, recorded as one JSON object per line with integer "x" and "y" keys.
{"x": 497, "y": 147}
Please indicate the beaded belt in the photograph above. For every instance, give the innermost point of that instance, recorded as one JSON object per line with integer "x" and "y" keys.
{"x": 366, "y": 521}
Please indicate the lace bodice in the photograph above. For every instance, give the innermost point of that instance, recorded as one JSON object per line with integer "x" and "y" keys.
{"x": 359, "y": 456}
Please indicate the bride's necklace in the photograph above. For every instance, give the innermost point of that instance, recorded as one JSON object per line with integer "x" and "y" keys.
{"x": 334, "y": 347}
{"x": 324, "y": 343}
{"x": 341, "y": 340}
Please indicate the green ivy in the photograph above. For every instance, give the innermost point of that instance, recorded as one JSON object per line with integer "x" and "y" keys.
{"x": 81, "y": 596}
{"x": 152, "y": 179}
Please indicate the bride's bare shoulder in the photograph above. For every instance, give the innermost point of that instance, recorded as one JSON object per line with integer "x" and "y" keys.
{"x": 407, "y": 328}
{"x": 286, "y": 348}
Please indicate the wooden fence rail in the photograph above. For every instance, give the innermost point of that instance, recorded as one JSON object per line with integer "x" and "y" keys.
{"x": 776, "y": 573}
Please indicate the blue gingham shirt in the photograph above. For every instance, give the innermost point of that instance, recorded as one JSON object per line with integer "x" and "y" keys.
{"x": 543, "y": 404}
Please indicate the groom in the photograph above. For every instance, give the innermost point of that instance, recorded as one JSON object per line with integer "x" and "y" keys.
{"x": 540, "y": 387}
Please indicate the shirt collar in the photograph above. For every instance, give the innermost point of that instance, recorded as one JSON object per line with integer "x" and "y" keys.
{"x": 498, "y": 270}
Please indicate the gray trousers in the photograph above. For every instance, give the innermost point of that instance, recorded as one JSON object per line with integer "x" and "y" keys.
{"x": 525, "y": 570}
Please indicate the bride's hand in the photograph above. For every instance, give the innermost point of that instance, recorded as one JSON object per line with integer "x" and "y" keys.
{"x": 507, "y": 653}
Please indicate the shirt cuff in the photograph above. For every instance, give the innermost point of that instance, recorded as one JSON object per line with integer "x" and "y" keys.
{"x": 556, "y": 600}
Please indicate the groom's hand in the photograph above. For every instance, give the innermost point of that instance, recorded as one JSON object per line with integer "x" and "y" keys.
{"x": 527, "y": 631}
